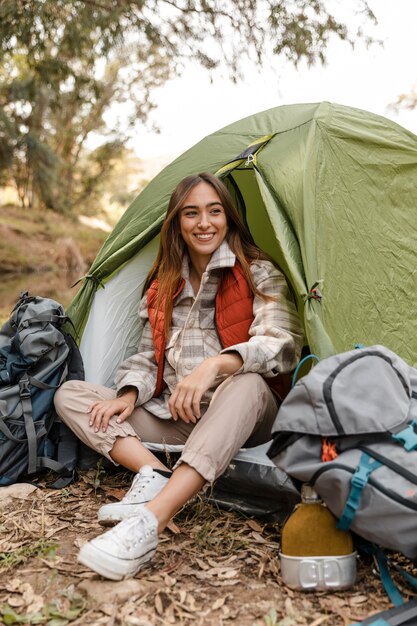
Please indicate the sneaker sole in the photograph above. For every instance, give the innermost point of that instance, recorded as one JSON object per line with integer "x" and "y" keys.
{"x": 111, "y": 566}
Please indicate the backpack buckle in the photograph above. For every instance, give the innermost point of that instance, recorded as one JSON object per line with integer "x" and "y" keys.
{"x": 24, "y": 388}
{"x": 408, "y": 437}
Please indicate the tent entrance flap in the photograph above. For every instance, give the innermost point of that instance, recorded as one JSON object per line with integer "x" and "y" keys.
{"x": 112, "y": 331}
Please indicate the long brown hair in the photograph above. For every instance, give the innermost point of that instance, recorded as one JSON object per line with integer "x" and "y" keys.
{"x": 172, "y": 248}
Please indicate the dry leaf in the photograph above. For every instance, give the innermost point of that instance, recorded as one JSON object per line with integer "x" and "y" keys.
{"x": 169, "y": 581}
{"x": 36, "y": 605}
{"x": 254, "y": 525}
{"x": 231, "y": 573}
{"x": 191, "y": 603}
{"x": 14, "y": 585}
{"x": 219, "y": 603}
{"x": 158, "y": 604}
{"x": 320, "y": 620}
{"x": 223, "y": 583}
{"x": 172, "y": 526}
{"x": 15, "y": 601}
{"x": 358, "y": 600}
{"x": 117, "y": 494}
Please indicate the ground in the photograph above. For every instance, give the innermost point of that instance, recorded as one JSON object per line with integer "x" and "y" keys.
{"x": 212, "y": 568}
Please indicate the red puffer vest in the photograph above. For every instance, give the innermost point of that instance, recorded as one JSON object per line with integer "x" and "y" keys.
{"x": 233, "y": 318}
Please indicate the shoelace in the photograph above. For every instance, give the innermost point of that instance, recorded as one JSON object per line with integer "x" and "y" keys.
{"x": 123, "y": 531}
{"x": 139, "y": 482}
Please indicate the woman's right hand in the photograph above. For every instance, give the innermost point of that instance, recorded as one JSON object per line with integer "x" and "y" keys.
{"x": 102, "y": 411}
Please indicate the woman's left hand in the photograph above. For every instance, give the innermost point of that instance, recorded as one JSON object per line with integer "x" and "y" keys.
{"x": 186, "y": 397}
{"x": 185, "y": 400}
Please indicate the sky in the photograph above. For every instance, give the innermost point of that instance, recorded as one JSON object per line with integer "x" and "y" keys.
{"x": 191, "y": 106}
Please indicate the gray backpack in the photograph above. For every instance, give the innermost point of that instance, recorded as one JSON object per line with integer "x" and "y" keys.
{"x": 349, "y": 429}
{"x": 36, "y": 356}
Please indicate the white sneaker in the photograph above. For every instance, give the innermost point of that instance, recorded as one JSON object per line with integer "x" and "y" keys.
{"x": 146, "y": 485}
{"x": 122, "y": 551}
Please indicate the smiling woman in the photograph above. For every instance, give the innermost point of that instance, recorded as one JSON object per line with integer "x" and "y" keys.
{"x": 203, "y": 227}
{"x": 219, "y": 333}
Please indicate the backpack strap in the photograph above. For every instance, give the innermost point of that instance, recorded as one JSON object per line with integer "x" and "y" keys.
{"x": 40, "y": 385}
{"x": 34, "y": 462}
{"x": 359, "y": 479}
{"x": 24, "y": 392}
{"x": 386, "y": 578}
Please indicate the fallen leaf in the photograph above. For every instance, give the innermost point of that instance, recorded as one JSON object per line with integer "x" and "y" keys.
{"x": 254, "y": 525}
{"x": 218, "y": 603}
{"x": 320, "y": 620}
{"x": 15, "y": 601}
{"x": 159, "y": 607}
{"x": 36, "y": 605}
{"x": 20, "y": 491}
{"x": 223, "y": 583}
{"x": 117, "y": 494}
{"x": 229, "y": 573}
{"x": 14, "y": 585}
{"x": 172, "y": 526}
{"x": 358, "y": 599}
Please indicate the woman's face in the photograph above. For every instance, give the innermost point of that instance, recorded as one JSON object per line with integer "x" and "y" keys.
{"x": 203, "y": 223}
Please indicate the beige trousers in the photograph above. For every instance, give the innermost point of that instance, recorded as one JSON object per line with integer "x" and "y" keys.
{"x": 241, "y": 413}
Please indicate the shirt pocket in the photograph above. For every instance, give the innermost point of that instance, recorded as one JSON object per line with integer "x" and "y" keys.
{"x": 206, "y": 319}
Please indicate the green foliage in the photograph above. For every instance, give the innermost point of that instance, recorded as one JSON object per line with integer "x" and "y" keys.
{"x": 52, "y": 613}
{"x": 12, "y": 558}
{"x": 63, "y": 64}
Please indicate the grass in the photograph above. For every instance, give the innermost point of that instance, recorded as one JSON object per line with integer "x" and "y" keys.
{"x": 41, "y": 547}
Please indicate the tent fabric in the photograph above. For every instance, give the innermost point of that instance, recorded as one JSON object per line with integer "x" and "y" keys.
{"x": 329, "y": 191}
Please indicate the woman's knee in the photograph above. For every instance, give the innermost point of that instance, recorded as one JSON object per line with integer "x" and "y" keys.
{"x": 65, "y": 393}
{"x": 249, "y": 383}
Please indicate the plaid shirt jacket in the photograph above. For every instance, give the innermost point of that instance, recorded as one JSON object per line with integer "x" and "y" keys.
{"x": 273, "y": 348}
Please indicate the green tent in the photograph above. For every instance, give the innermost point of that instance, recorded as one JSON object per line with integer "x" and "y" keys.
{"x": 329, "y": 191}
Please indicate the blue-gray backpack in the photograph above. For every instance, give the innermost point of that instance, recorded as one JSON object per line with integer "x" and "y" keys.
{"x": 349, "y": 429}
{"x": 36, "y": 356}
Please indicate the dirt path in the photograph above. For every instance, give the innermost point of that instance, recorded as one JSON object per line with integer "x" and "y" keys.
{"x": 212, "y": 568}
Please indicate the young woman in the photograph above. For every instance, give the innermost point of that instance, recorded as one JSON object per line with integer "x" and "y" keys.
{"x": 219, "y": 331}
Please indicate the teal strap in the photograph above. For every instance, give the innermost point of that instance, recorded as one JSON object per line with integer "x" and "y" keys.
{"x": 297, "y": 369}
{"x": 408, "y": 437}
{"x": 389, "y": 585}
{"x": 412, "y": 580}
{"x": 359, "y": 479}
